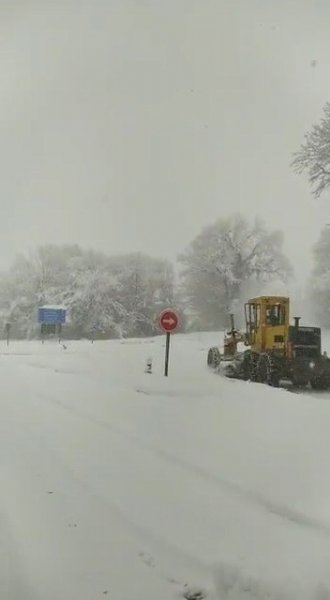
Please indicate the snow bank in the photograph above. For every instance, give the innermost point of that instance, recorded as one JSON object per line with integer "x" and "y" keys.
{"x": 235, "y": 583}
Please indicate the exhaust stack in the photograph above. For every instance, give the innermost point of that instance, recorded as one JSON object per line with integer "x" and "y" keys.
{"x": 296, "y": 322}
{"x": 232, "y": 322}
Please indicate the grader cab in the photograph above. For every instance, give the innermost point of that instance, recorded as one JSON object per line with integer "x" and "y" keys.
{"x": 276, "y": 350}
{"x": 267, "y": 323}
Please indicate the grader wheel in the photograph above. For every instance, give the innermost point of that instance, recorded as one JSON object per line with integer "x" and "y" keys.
{"x": 318, "y": 383}
{"x": 299, "y": 382}
{"x": 267, "y": 370}
{"x": 262, "y": 369}
{"x": 250, "y": 366}
{"x": 214, "y": 357}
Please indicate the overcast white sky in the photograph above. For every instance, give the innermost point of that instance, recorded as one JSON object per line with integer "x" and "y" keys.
{"x": 130, "y": 124}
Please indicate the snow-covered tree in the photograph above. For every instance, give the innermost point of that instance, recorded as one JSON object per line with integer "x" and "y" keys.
{"x": 314, "y": 154}
{"x": 320, "y": 280}
{"x": 93, "y": 305}
{"x": 105, "y": 296}
{"x": 146, "y": 284}
{"x": 38, "y": 278}
{"x": 222, "y": 262}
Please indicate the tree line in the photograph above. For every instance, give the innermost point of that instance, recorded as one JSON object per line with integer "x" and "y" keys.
{"x": 120, "y": 296}
{"x": 105, "y": 296}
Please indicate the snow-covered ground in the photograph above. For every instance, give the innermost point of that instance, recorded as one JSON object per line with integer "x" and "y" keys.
{"x": 120, "y": 484}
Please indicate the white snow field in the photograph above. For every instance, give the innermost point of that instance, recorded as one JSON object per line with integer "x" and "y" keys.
{"x": 129, "y": 486}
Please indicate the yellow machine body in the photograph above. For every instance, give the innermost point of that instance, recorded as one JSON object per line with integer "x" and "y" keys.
{"x": 267, "y": 323}
{"x": 277, "y": 350}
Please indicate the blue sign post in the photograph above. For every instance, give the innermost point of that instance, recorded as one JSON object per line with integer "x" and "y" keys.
{"x": 51, "y": 318}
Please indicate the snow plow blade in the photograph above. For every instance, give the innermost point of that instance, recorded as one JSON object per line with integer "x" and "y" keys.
{"x": 232, "y": 367}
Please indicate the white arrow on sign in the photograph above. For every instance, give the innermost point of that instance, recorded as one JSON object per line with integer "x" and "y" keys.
{"x": 169, "y": 321}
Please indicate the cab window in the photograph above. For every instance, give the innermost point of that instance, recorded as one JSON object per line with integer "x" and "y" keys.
{"x": 275, "y": 315}
{"x": 254, "y": 315}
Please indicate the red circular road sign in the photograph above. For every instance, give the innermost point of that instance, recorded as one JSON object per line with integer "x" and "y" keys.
{"x": 169, "y": 320}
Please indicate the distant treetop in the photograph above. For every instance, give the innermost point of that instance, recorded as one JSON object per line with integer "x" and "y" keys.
{"x": 314, "y": 155}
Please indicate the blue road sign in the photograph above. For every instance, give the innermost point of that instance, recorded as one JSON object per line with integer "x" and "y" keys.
{"x": 48, "y": 315}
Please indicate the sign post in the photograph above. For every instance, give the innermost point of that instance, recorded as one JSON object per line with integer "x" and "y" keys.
{"x": 169, "y": 322}
{"x": 8, "y": 326}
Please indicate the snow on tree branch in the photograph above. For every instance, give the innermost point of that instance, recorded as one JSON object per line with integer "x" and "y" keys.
{"x": 314, "y": 155}
{"x": 225, "y": 256}
{"x": 105, "y": 296}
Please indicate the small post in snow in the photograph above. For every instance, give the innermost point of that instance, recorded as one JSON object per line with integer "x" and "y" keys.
{"x": 148, "y": 368}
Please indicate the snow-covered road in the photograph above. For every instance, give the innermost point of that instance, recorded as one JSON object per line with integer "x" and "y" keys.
{"x": 120, "y": 484}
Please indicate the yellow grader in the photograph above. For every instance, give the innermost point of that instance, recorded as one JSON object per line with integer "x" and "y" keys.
{"x": 273, "y": 350}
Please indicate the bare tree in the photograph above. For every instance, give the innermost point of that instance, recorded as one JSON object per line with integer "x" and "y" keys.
{"x": 319, "y": 283}
{"x": 224, "y": 259}
{"x": 314, "y": 155}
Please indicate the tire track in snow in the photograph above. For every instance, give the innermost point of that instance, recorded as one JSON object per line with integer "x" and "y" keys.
{"x": 143, "y": 536}
{"x": 279, "y": 510}
{"x": 14, "y": 581}
{"x": 172, "y": 561}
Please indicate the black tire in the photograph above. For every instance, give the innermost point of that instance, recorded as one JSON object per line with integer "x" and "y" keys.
{"x": 214, "y": 357}
{"x": 299, "y": 384}
{"x": 318, "y": 383}
{"x": 268, "y": 370}
{"x": 250, "y": 366}
{"x": 262, "y": 369}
